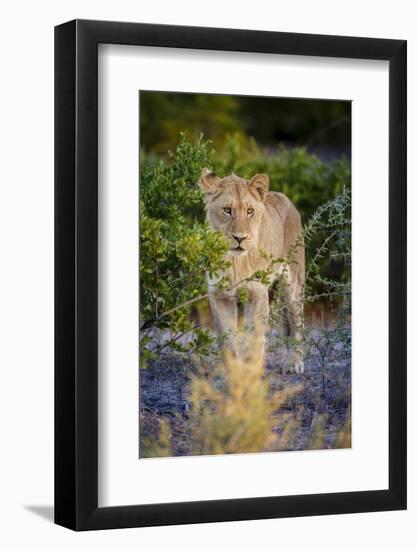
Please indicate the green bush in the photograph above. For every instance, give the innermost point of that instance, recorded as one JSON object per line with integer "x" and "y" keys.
{"x": 177, "y": 249}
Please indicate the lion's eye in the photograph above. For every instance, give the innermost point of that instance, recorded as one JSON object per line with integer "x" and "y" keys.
{"x": 227, "y": 210}
{"x": 250, "y": 211}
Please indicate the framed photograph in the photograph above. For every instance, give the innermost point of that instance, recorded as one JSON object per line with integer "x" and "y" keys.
{"x": 230, "y": 253}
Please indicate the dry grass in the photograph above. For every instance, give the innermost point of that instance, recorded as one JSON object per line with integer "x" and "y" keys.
{"x": 232, "y": 411}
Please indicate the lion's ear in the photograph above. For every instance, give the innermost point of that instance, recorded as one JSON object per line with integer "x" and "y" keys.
{"x": 209, "y": 181}
{"x": 259, "y": 184}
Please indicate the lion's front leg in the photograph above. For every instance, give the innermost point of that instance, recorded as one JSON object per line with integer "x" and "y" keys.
{"x": 295, "y": 309}
{"x": 224, "y": 311}
{"x": 256, "y": 316}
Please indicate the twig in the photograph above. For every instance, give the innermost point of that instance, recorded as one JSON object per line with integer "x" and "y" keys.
{"x": 177, "y": 337}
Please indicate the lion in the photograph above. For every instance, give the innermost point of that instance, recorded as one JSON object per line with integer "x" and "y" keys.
{"x": 257, "y": 223}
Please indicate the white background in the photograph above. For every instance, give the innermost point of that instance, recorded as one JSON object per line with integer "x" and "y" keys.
{"x": 26, "y": 174}
{"x": 123, "y": 479}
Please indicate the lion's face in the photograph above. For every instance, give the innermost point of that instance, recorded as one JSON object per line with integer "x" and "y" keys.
{"x": 235, "y": 206}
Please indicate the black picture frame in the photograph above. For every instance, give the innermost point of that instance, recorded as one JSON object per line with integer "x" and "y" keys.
{"x": 76, "y": 272}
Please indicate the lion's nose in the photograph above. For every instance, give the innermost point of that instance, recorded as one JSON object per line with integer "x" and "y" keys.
{"x": 240, "y": 238}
